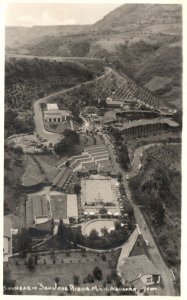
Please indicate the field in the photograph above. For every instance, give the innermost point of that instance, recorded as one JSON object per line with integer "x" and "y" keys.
{"x": 64, "y": 266}
{"x": 33, "y": 175}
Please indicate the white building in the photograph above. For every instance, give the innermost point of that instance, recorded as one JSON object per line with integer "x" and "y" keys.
{"x": 7, "y": 239}
{"x": 53, "y": 114}
{"x": 139, "y": 272}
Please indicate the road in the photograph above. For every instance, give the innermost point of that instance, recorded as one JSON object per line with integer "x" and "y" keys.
{"x": 49, "y": 136}
{"x": 56, "y": 58}
{"x": 157, "y": 259}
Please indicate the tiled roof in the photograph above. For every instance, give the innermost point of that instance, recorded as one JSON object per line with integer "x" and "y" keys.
{"x": 134, "y": 266}
{"x": 147, "y": 122}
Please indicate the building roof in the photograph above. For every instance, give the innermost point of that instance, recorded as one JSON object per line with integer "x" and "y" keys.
{"x": 40, "y": 206}
{"x": 147, "y": 122}
{"x": 136, "y": 266}
{"x": 62, "y": 176}
{"x": 90, "y": 108}
{"x": 56, "y": 113}
{"x": 114, "y": 102}
{"x": 52, "y": 106}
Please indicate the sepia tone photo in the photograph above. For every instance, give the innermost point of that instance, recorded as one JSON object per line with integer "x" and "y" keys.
{"x": 92, "y": 149}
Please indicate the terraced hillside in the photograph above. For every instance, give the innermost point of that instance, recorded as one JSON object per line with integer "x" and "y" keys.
{"x": 27, "y": 80}
{"x": 143, "y": 41}
{"x": 109, "y": 85}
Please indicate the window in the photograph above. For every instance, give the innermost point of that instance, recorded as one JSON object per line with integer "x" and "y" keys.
{"x": 149, "y": 279}
{"x": 141, "y": 290}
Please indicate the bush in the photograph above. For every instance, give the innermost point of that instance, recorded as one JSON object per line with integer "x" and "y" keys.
{"x": 103, "y": 256}
{"x": 90, "y": 278}
{"x": 97, "y": 273}
{"x": 76, "y": 280}
{"x": 108, "y": 279}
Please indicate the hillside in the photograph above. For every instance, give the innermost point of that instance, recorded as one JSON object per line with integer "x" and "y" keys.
{"x": 143, "y": 41}
{"x": 131, "y": 17}
{"x": 27, "y": 80}
{"x": 19, "y": 36}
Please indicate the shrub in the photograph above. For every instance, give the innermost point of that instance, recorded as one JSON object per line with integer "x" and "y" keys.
{"x": 97, "y": 273}
{"x": 103, "y": 256}
{"x": 90, "y": 278}
{"x": 76, "y": 280}
{"x": 108, "y": 279}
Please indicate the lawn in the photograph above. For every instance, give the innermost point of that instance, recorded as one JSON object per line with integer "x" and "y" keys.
{"x": 63, "y": 266}
{"x": 33, "y": 174}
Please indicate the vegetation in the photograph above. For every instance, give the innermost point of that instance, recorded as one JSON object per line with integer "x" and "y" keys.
{"x": 13, "y": 125}
{"x": 66, "y": 145}
{"x": 158, "y": 189}
{"x": 8, "y": 283}
{"x": 24, "y": 242}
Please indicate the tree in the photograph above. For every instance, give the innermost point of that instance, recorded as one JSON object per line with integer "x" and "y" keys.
{"x": 36, "y": 259}
{"x": 103, "y": 210}
{"x": 90, "y": 278}
{"x": 52, "y": 227}
{"x": 97, "y": 273}
{"x": 76, "y": 280}
{"x": 108, "y": 279}
{"x": 8, "y": 283}
{"x": 24, "y": 241}
{"x": 119, "y": 176}
{"x": 103, "y": 256}
{"x": 66, "y": 145}
{"x": 57, "y": 280}
{"x": 31, "y": 263}
{"x": 77, "y": 188}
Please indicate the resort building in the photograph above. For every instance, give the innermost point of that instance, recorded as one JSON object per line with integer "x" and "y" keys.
{"x": 53, "y": 114}
{"x": 7, "y": 239}
{"x": 140, "y": 273}
{"x": 41, "y": 209}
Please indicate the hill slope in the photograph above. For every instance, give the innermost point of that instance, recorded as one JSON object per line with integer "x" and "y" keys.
{"x": 143, "y": 41}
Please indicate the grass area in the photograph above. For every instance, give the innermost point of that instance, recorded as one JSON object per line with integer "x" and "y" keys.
{"x": 14, "y": 168}
{"x": 33, "y": 175}
{"x": 139, "y": 247}
{"x": 64, "y": 266}
{"x": 47, "y": 163}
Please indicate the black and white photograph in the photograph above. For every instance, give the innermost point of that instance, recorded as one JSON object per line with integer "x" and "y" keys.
{"x": 92, "y": 148}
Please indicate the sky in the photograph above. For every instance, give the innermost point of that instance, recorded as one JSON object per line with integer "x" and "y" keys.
{"x": 31, "y": 14}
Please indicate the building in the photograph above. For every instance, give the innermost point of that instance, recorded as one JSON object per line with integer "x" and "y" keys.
{"x": 53, "y": 114}
{"x": 89, "y": 110}
{"x": 41, "y": 209}
{"x": 114, "y": 103}
{"x": 7, "y": 239}
{"x": 140, "y": 273}
{"x": 145, "y": 127}
{"x": 52, "y": 106}
{"x": 63, "y": 207}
